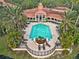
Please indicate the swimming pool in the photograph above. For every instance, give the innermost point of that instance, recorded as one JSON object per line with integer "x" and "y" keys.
{"x": 41, "y": 30}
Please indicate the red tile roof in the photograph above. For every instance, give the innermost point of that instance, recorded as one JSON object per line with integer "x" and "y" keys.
{"x": 56, "y": 13}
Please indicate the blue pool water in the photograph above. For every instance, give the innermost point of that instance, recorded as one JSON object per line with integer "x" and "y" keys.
{"x": 40, "y": 30}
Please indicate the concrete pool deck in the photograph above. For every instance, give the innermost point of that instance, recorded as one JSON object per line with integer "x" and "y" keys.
{"x": 32, "y": 44}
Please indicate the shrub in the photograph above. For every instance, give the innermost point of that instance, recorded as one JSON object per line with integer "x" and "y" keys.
{"x": 14, "y": 39}
{"x": 65, "y": 52}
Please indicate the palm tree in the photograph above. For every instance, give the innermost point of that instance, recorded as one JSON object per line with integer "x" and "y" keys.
{"x": 67, "y": 28}
{"x": 77, "y": 22}
{"x": 16, "y": 17}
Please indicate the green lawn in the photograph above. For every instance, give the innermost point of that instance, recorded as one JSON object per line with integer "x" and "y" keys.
{"x": 16, "y": 55}
{"x": 73, "y": 54}
{"x": 24, "y": 55}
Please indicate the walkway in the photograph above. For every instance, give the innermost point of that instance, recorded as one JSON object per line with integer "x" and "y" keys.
{"x": 32, "y": 44}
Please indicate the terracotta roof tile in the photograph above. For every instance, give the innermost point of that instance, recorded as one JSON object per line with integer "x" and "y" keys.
{"x": 57, "y": 13}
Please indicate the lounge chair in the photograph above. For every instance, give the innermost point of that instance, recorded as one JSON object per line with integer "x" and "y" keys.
{"x": 47, "y": 44}
{"x": 39, "y": 48}
{"x": 43, "y": 47}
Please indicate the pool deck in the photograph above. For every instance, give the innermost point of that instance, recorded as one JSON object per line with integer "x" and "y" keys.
{"x": 33, "y": 45}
